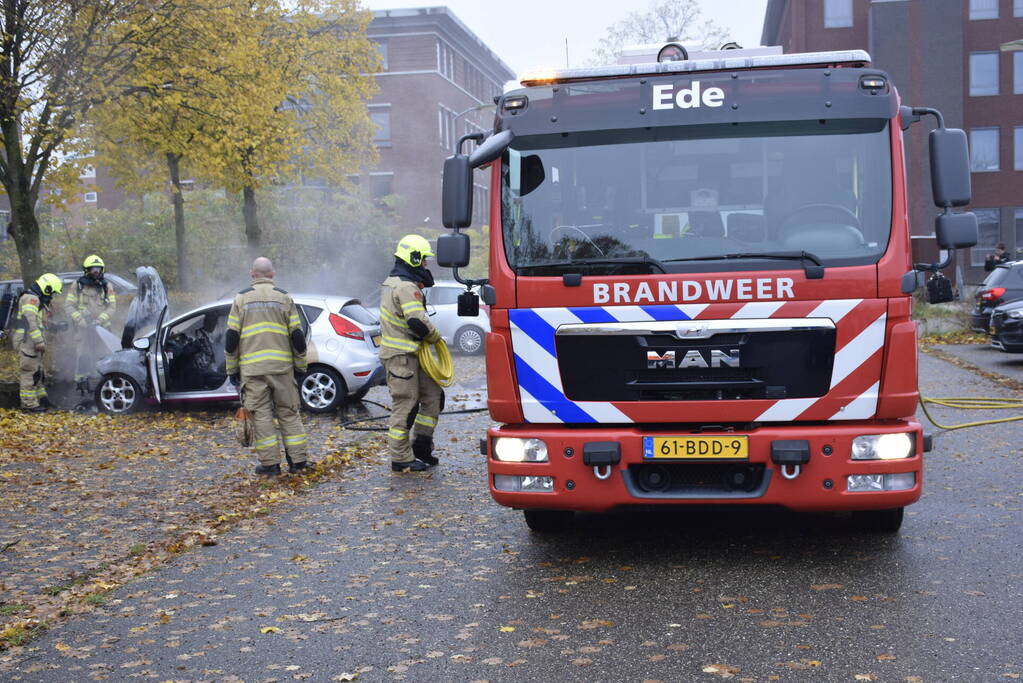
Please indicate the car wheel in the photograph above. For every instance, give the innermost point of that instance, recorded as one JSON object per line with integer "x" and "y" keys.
{"x": 469, "y": 340}
{"x": 548, "y": 521}
{"x": 118, "y": 394}
{"x": 322, "y": 389}
{"x": 878, "y": 521}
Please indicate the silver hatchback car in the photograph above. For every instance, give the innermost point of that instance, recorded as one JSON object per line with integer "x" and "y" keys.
{"x": 182, "y": 361}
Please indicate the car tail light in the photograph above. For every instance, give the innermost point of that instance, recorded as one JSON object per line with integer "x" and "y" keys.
{"x": 993, "y": 293}
{"x": 345, "y": 327}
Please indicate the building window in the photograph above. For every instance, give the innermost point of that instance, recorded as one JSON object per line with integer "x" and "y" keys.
{"x": 1014, "y": 255}
{"x": 381, "y": 118}
{"x": 382, "y": 51}
{"x": 988, "y": 235}
{"x": 88, "y": 172}
{"x": 448, "y": 134}
{"x": 838, "y": 13}
{"x": 983, "y": 149}
{"x": 380, "y": 185}
{"x": 90, "y": 196}
{"x": 1017, "y": 72}
{"x": 1017, "y": 8}
{"x": 983, "y": 9}
{"x": 445, "y": 60}
{"x": 1017, "y": 146}
{"x": 983, "y": 73}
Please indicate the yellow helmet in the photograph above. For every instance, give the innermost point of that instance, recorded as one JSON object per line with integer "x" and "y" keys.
{"x": 412, "y": 249}
{"x": 49, "y": 284}
{"x": 93, "y": 261}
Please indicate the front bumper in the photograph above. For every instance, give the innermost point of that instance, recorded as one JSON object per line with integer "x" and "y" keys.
{"x": 1008, "y": 334}
{"x": 980, "y": 320}
{"x": 819, "y": 486}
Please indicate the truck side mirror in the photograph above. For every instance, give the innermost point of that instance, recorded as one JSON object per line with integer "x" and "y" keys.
{"x": 489, "y": 294}
{"x": 456, "y": 209}
{"x": 453, "y": 250}
{"x": 950, "y": 167}
{"x": 955, "y": 230}
{"x": 468, "y": 305}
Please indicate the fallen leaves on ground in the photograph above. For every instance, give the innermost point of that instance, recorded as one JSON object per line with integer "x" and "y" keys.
{"x": 93, "y": 501}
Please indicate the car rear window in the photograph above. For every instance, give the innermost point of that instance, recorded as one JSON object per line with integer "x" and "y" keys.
{"x": 357, "y": 312}
{"x": 997, "y": 276}
{"x": 311, "y": 312}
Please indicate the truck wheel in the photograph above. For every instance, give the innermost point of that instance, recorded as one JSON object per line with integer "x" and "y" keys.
{"x": 118, "y": 394}
{"x": 547, "y": 521}
{"x": 469, "y": 340}
{"x": 878, "y": 521}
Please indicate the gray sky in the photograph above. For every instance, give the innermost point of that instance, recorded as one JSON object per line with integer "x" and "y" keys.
{"x": 530, "y": 34}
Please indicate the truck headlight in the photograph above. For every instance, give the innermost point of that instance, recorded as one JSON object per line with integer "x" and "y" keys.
{"x": 510, "y": 449}
{"x": 882, "y": 446}
{"x": 902, "y": 481}
{"x": 514, "y": 483}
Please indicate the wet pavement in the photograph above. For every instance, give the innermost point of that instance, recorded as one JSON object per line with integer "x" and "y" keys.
{"x": 424, "y": 578}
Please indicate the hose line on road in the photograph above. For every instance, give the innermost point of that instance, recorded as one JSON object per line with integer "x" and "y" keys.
{"x": 972, "y": 403}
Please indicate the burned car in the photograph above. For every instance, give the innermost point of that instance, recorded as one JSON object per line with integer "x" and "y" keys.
{"x": 183, "y": 362}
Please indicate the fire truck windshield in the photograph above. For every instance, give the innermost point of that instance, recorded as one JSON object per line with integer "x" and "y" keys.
{"x": 620, "y": 202}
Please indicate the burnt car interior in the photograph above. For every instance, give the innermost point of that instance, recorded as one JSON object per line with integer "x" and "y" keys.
{"x": 195, "y": 352}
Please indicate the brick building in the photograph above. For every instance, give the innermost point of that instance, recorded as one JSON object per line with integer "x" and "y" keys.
{"x": 438, "y": 83}
{"x": 963, "y": 57}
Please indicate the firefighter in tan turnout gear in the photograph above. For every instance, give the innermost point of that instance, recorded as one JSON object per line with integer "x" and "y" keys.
{"x": 265, "y": 345}
{"x": 416, "y": 399}
{"x": 91, "y": 303}
{"x": 30, "y": 343}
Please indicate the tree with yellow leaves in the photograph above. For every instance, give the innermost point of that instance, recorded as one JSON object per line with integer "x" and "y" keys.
{"x": 58, "y": 59}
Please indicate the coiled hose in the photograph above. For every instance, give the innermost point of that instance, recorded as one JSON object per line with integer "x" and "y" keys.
{"x": 435, "y": 359}
{"x": 972, "y": 403}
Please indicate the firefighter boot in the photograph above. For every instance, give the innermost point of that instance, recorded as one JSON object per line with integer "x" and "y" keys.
{"x": 422, "y": 448}
{"x": 269, "y": 470}
{"x": 411, "y": 466}
{"x": 300, "y": 467}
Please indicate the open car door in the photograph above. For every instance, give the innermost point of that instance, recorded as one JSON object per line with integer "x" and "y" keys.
{"x": 157, "y": 360}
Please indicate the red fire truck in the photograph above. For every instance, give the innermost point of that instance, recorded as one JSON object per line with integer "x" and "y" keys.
{"x": 700, "y": 284}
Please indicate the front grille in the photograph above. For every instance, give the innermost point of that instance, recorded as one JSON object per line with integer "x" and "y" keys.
{"x": 696, "y": 480}
{"x": 658, "y": 367}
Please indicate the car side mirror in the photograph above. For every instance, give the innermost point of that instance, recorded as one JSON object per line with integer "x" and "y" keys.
{"x": 950, "y": 167}
{"x": 142, "y": 343}
{"x": 468, "y": 305}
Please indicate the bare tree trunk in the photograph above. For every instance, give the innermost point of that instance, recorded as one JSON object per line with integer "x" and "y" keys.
{"x": 253, "y": 236}
{"x": 174, "y": 169}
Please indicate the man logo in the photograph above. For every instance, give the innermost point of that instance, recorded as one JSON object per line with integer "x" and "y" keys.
{"x": 693, "y": 358}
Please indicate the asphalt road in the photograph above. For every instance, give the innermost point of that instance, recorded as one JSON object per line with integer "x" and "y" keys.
{"x": 424, "y": 578}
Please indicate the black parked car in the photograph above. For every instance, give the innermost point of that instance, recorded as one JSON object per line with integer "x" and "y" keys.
{"x": 1002, "y": 285}
{"x": 1007, "y": 327}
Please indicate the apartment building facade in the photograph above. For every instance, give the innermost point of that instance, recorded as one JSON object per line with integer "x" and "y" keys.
{"x": 964, "y": 57}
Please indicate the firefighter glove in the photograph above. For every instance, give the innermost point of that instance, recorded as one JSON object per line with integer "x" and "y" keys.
{"x": 433, "y": 337}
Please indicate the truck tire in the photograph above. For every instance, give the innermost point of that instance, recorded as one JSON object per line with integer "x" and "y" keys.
{"x": 547, "y": 521}
{"x": 878, "y": 521}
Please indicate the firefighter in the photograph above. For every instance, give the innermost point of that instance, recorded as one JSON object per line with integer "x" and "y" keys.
{"x": 416, "y": 399}
{"x": 266, "y": 348}
{"x": 30, "y": 343}
{"x": 91, "y": 302}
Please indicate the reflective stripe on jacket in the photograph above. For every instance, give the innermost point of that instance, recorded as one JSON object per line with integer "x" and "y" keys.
{"x": 91, "y": 302}
{"x": 264, "y": 317}
{"x": 399, "y": 301}
{"x": 31, "y": 323}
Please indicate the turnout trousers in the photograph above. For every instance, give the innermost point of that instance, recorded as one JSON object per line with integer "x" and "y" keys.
{"x": 411, "y": 389}
{"x": 30, "y": 378}
{"x": 267, "y": 397}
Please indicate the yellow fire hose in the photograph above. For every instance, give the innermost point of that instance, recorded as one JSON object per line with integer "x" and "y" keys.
{"x": 972, "y": 403}
{"x": 435, "y": 358}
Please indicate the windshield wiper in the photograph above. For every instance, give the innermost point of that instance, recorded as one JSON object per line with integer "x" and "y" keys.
{"x": 812, "y": 272}
{"x": 646, "y": 260}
